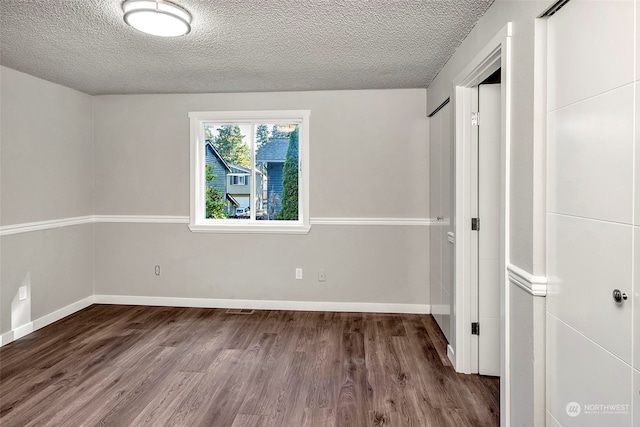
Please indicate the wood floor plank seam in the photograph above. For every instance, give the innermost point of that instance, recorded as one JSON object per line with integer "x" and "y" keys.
{"x": 149, "y": 366}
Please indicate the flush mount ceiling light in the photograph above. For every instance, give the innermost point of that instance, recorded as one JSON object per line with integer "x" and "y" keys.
{"x": 157, "y": 17}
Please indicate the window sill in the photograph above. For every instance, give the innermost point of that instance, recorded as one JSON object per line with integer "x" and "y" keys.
{"x": 251, "y": 228}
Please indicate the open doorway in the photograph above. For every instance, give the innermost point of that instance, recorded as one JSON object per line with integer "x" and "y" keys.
{"x": 481, "y": 221}
{"x": 485, "y": 207}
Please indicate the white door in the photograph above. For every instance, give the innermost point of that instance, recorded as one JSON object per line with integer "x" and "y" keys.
{"x": 591, "y": 229}
{"x": 488, "y": 212}
{"x": 441, "y": 250}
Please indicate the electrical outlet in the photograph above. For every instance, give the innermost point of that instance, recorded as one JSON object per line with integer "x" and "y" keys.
{"x": 298, "y": 273}
{"x": 322, "y": 276}
{"x": 22, "y": 293}
{"x": 157, "y": 270}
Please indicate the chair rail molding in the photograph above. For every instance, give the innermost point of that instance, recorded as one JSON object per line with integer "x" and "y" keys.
{"x": 149, "y": 219}
{"x": 374, "y": 221}
{"x": 27, "y": 227}
{"x": 534, "y": 285}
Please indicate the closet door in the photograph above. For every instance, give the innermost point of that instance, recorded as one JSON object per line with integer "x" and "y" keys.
{"x": 590, "y": 217}
{"x": 488, "y": 252}
{"x": 440, "y": 248}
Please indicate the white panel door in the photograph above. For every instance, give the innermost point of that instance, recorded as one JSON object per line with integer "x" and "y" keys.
{"x": 489, "y": 232}
{"x": 590, "y": 234}
{"x": 446, "y": 248}
{"x": 636, "y": 398}
{"x": 440, "y": 251}
{"x": 588, "y": 379}
{"x": 435, "y": 211}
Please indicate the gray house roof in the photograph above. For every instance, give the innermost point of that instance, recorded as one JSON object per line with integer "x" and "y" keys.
{"x": 226, "y": 165}
{"x": 242, "y": 169}
{"x": 233, "y": 200}
{"x": 274, "y": 151}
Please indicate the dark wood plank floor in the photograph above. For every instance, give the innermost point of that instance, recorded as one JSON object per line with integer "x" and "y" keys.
{"x": 134, "y": 366}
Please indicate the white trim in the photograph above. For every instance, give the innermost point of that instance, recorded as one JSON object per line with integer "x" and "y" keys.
{"x": 472, "y": 104}
{"x": 45, "y": 320}
{"x": 539, "y": 225}
{"x": 179, "y": 219}
{"x": 357, "y": 307}
{"x": 197, "y": 185}
{"x": 451, "y": 354}
{"x": 151, "y": 219}
{"x": 6, "y": 338}
{"x": 27, "y": 227}
{"x": 245, "y": 117}
{"x": 22, "y": 330}
{"x": 497, "y": 51}
{"x": 62, "y": 312}
{"x": 375, "y": 221}
{"x": 250, "y": 227}
{"x": 505, "y": 294}
{"x": 534, "y": 285}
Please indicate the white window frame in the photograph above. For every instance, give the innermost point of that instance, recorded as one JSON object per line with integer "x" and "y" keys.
{"x": 197, "y": 221}
{"x": 241, "y": 177}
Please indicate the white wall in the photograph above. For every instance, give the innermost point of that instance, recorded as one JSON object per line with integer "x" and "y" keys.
{"x": 47, "y": 150}
{"x": 369, "y": 156}
{"x": 522, "y": 14}
{"x": 363, "y": 264}
{"x": 526, "y": 243}
{"x": 46, "y": 156}
{"x": 369, "y": 159}
{"x": 368, "y": 150}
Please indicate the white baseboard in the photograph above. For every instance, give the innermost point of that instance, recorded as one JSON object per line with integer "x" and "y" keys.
{"x": 6, "y": 338}
{"x": 22, "y": 331}
{"x": 45, "y": 320}
{"x": 358, "y": 307}
{"x": 61, "y": 313}
{"x": 451, "y": 355}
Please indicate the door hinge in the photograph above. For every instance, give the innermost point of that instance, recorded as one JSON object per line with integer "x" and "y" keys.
{"x": 475, "y": 328}
{"x": 475, "y": 224}
{"x": 475, "y": 119}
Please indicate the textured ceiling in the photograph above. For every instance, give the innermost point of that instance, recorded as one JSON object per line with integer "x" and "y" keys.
{"x": 238, "y": 45}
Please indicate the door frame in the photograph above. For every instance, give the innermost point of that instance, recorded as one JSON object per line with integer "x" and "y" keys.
{"x": 496, "y": 54}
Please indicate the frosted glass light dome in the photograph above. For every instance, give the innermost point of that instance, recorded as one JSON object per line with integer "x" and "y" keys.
{"x": 157, "y": 17}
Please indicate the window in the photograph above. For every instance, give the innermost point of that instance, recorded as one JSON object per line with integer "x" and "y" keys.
{"x": 238, "y": 179}
{"x": 249, "y": 171}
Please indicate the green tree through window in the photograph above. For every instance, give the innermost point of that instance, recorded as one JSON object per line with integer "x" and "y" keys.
{"x": 289, "y": 209}
{"x": 229, "y": 143}
{"x": 213, "y": 197}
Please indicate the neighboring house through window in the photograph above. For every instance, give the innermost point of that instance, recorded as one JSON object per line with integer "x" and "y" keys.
{"x": 249, "y": 171}
{"x": 271, "y": 157}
